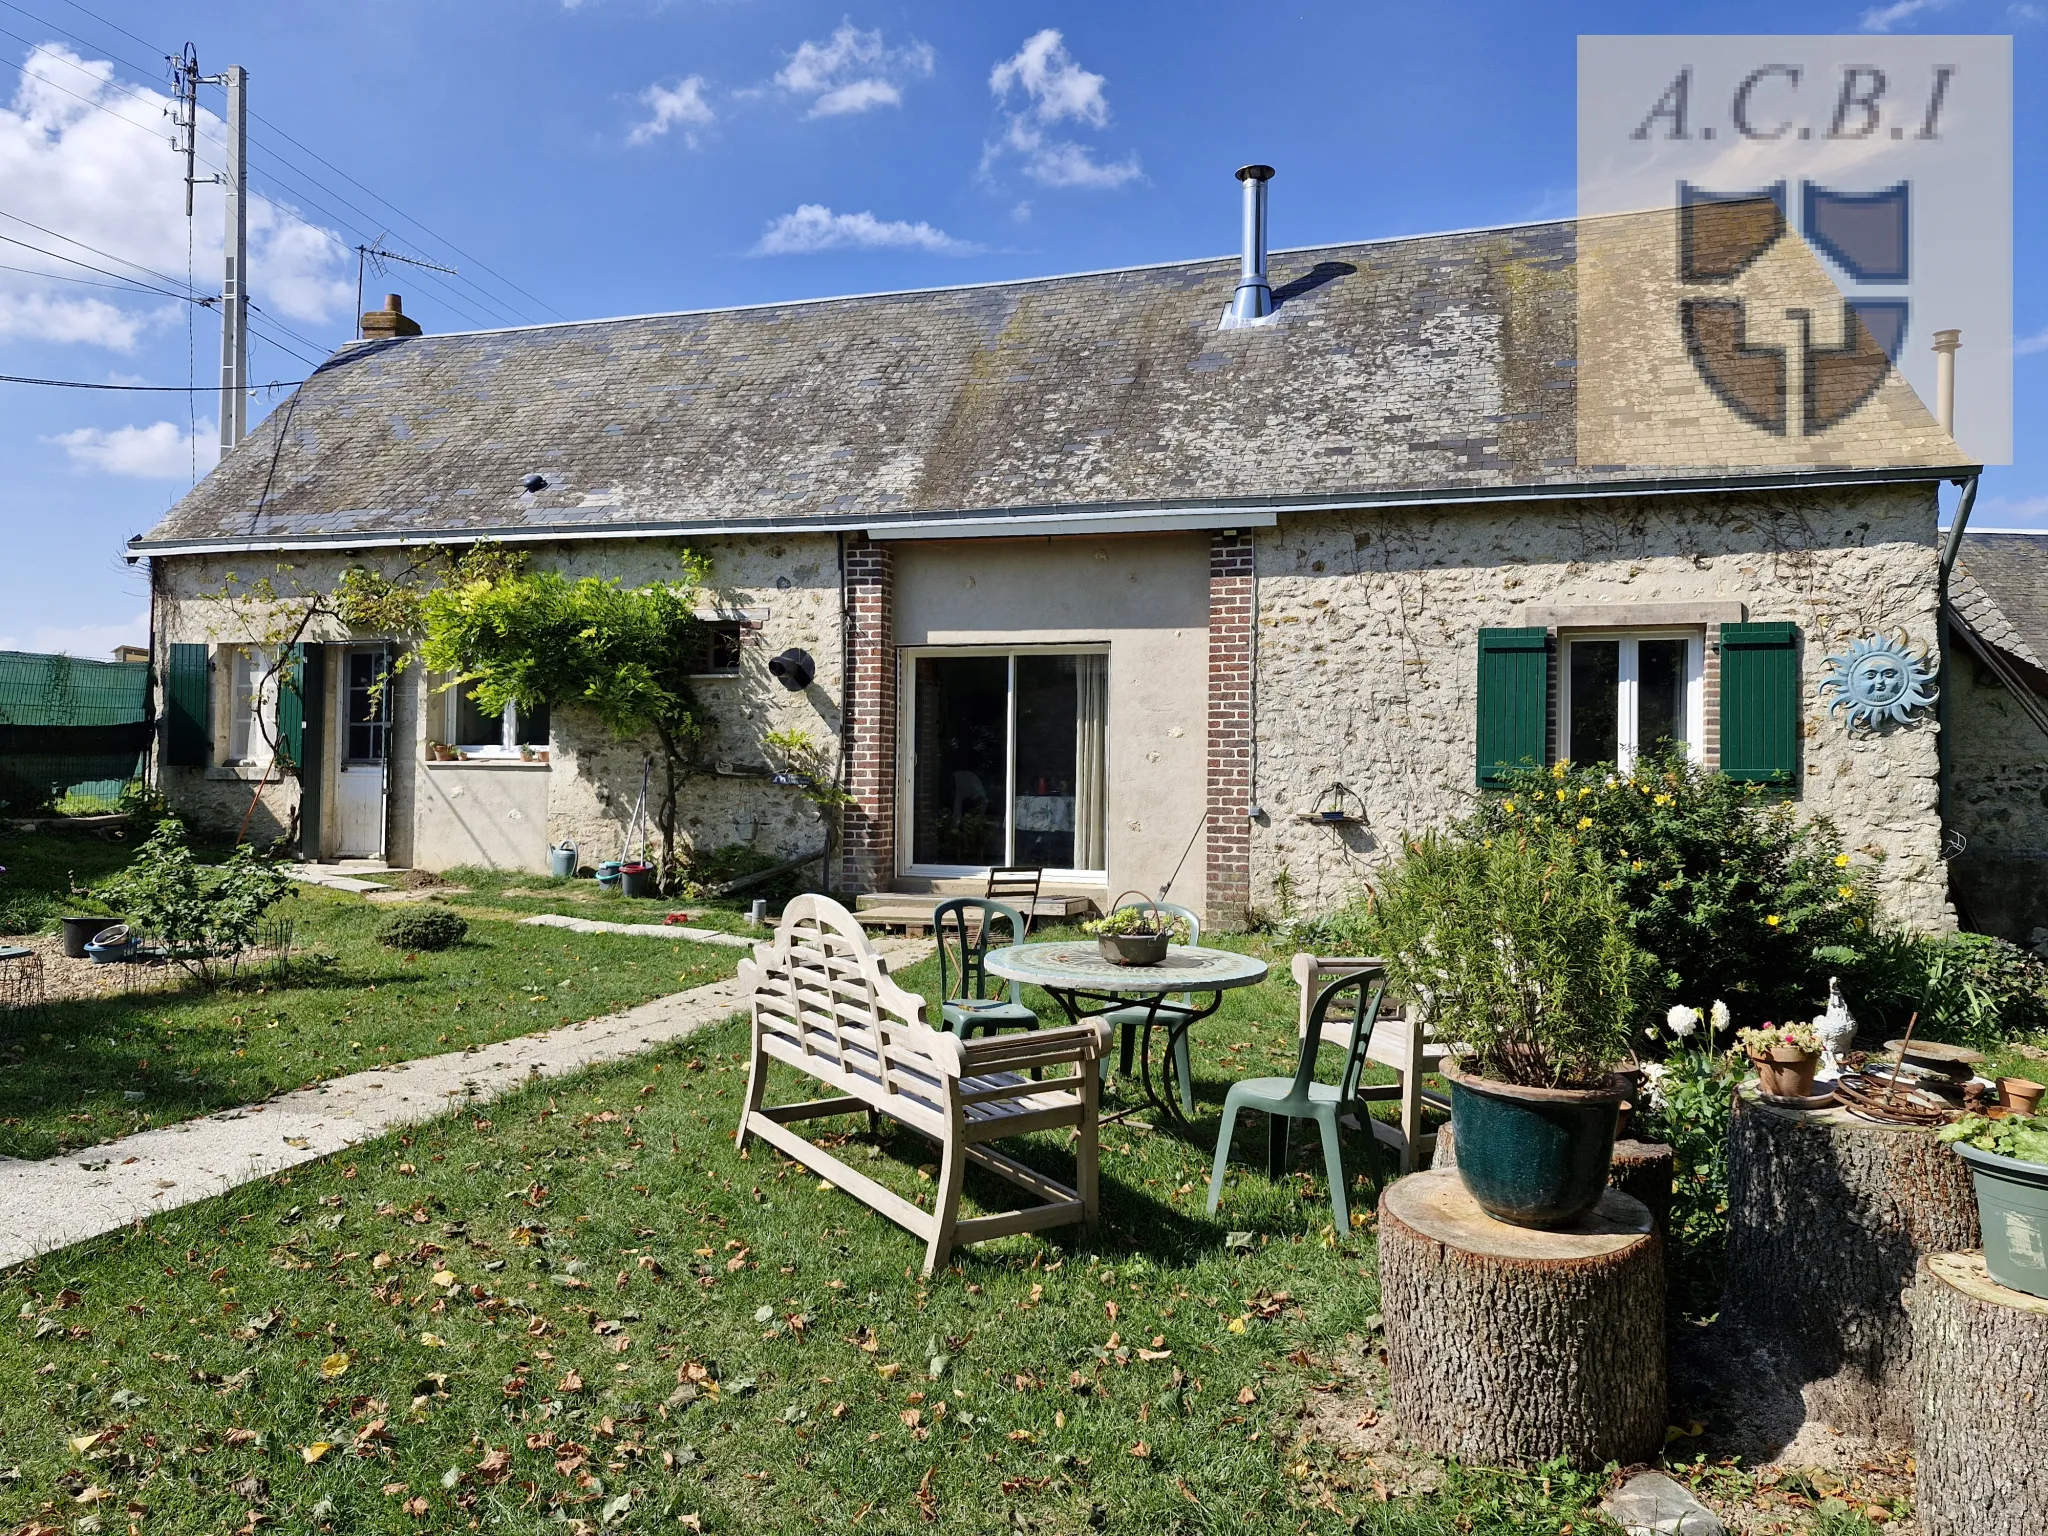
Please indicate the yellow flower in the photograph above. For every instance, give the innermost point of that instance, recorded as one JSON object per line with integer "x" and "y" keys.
{"x": 1559, "y": 769}
{"x": 1841, "y": 861}
{"x": 1638, "y": 864}
{"x": 1845, "y": 891}
{"x": 1585, "y": 822}
{"x": 1508, "y": 806}
{"x": 1585, "y": 790}
{"x": 1661, "y": 800}
{"x": 1774, "y": 919}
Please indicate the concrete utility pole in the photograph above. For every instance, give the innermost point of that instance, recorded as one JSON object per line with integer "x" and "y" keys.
{"x": 234, "y": 296}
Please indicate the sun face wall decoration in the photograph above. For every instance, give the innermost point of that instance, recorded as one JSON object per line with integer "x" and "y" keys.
{"x": 1878, "y": 679}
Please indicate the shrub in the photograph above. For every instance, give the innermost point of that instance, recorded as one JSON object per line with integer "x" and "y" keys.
{"x": 414, "y": 928}
{"x": 1515, "y": 946}
{"x": 204, "y": 917}
{"x": 1690, "y": 1103}
{"x": 1721, "y": 881}
{"x": 1968, "y": 988}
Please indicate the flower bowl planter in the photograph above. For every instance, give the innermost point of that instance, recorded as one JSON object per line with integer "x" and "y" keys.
{"x": 2012, "y": 1209}
{"x": 1132, "y": 948}
{"x": 1786, "y": 1072}
{"x": 1532, "y": 1157}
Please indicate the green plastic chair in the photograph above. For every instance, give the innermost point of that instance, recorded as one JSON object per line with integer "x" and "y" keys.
{"x": 966, "y": 945}
{"x": 1303, "y": 1098}
{"x": 1129, "y": 1021}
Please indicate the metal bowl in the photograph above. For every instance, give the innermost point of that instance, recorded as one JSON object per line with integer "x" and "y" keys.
{"x": 1132, "y": 948}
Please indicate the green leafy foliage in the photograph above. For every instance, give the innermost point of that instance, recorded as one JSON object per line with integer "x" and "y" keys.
{"x": 1690, "y": 1100}
{"x": 204, "y": 917}
{"x": 1735, "y": 895}
{"x": 1516, "y": 944}
{"x": 1968, "y": 988}
{"x": 2024, "y": 1137}
{"x": 422, "y": 928}
{"x": 1141, "y": 920}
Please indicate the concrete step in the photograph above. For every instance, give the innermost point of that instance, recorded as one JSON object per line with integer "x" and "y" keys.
{"x": 912, "y": 911}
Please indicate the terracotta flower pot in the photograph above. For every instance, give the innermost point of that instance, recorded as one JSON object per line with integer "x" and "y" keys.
{"x": 2021, "y": 1095}
{"x": 1786, "y": 1072}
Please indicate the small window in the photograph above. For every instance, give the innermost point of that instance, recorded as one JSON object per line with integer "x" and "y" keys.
{"x": 487, "y": 735}
{"x": 717, "y": 648}
{"x": 252, "y": 704}
{"x": 366, "y": 707}
{"x": 1628, "y": 695}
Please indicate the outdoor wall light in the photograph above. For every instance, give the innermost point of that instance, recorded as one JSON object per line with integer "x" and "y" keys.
{"x": 793, "y": 669}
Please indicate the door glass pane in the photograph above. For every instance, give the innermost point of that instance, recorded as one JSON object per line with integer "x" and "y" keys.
{"x": 1660, "y": 694}
{"x": 1044, "y": 803}
{"x": 366, "y": 707}
{"x": 962, "y": 709}
{"x": 247, "y": 738}
{"x": 1595, "y": 689}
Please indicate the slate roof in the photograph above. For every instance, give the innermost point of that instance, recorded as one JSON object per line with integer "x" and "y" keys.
{"x": 2000, "y": 590}
{"x": 1411, "y": 367}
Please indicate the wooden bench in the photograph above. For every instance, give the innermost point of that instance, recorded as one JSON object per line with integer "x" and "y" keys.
{"x": 823, "y": 1004}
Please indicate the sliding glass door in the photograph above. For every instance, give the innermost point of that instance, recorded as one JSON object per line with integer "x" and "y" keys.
{"x": 1006, "y": 759}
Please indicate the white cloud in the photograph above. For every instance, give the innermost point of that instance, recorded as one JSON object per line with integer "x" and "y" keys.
{"x": 1883, "y": 18}
{"x": 2038, "y": 342}
{"x": 2009, "y": 512}
{"x": 94, "y": 642}
{"x": 83, "y": 153}
{"x": 1056, "y": 90}
{"x": 814, "y": 227}
{"x": 682, "y": 103}
{"x": 2024, "y": 13}
{"x": 161, "y": 451}
{"x": 853, "y": 71}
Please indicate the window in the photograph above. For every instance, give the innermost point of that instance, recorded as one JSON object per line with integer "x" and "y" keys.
{"x": 717, "y": 648}
{"x": 251, "y": 711}
{"x": 366, "y": 707}
{"x": 486, "y": 735}
{"x": 1626, "y": 695}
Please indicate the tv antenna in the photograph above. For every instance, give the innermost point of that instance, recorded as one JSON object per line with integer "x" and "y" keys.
{"x": 375, "y": 255}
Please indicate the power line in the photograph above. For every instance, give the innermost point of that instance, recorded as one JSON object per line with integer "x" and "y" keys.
{"x": 143, "y": 389}
{"x": 59, "y": 256}
{"x": 74, "y": 240}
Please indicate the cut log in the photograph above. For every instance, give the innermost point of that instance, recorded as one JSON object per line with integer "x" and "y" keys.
{"x": 1639, "y": 1168}
{"x": 1828, "y": 1214}
{"x": 1508, "y": 1346}
{"x": 1980, "y": 1378}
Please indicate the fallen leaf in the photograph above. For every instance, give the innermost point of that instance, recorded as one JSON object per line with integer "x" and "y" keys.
{"x": 444, "y": 1277}
{"x": 572, "y": 1382}
{"x": 496, "y": 1465}
{"x": 415, "y": 1506}
{"x": 433, "y": 1341}
{"x": 1141, "y": 1450}
{"x": 312, "y": 1453}
{"x": 335, "y": 1364}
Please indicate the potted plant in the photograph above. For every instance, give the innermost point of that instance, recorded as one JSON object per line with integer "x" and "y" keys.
{"x": 437, "y": 751}
{"x": 1514, "y": 948}
{"x": 2008, "y": 1161}
{"x": 1137, "y": 934}
{"x": 1785, "y": 1057}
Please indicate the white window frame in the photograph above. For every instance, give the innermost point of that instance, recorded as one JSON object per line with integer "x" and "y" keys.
{"x": 1626, "y": 746}
{"x": 256, "y": 704}
{"x": 906, "y": 754}
{"x": 506, "y": 746}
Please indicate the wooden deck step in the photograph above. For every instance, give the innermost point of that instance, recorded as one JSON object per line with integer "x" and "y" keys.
{"x": 910, "y": 910}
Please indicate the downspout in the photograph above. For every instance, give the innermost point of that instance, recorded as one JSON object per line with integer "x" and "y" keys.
{"x": 153, "y": 774}
{"x": 1944, "y": 755}
{"x": 835, "y": 840}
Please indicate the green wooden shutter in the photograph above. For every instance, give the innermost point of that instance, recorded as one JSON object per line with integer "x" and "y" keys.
{"x": 188, "y": 707}
{"x": 291, "y": 707}
{"x": 1760, "y": 703}
{"x": 1514, "y": 699}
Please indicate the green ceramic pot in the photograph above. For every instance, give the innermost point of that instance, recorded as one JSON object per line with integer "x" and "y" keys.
{"x": 2012, "y": 1209}
{"x": 1535, "y": 1157}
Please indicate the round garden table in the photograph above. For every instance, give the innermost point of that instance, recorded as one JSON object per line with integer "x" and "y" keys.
{"x": 1088, "y": 986}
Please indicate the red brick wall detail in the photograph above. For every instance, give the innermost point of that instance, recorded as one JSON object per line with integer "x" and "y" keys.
{"x": 868, "y": 845}
{"x": 1230, "y": 728}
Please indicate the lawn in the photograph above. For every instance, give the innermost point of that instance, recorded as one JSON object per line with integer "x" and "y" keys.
{"x": 91, "y": 1069}
{"x": 497, "y": 890}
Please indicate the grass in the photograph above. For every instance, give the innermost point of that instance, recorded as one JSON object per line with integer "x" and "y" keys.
{"x": 89, "y": 1070}
{"x": 592, "y": 1309}
{"x": 498, "y": 890}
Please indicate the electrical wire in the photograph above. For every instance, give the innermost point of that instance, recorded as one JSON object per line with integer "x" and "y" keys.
{"x": 40, "y": 229}
{"x": 132, "y": 282}
{"x": 143, "y": 389}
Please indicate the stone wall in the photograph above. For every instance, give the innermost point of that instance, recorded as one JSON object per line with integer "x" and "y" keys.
{"x": 1998, "y": 804}
{"x": 1367, "y": 644}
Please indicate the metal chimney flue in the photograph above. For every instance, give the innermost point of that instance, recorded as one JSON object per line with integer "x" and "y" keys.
{"x": 1253, "y": 300}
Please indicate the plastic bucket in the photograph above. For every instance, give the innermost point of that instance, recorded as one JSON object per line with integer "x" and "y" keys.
{"x": 2012, "y": 1208}
{"x": 81, "y": 931}
{"x": 636, "y": 879}
{"x": 562, "y": 860}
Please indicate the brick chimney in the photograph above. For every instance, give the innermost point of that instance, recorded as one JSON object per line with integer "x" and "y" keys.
{"x": 390, "y": 321}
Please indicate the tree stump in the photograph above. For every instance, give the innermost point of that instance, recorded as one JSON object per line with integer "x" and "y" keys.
{"x": 1639, "y": 1168}
{"x": 1508, "y": 1346}
{"x": 1980, "y": 1375}
{"x": 1827, "y": 1215}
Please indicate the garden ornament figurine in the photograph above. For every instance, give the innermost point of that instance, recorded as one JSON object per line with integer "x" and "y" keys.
{"x": 1836, "y": 1028}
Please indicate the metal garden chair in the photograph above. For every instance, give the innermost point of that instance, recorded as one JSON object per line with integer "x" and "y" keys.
{"x": 1016, "y": 883}
{"x": 965, "y": 945}
{"x": 1303, "y": 1098}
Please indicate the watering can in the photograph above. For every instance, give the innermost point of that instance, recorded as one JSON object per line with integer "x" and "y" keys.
{"x": 562, "y": 859}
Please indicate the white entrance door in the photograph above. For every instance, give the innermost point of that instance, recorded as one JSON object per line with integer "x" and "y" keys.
{"x": 365, "y": 744}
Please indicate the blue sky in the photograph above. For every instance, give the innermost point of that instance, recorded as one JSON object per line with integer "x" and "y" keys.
{"x": 625, "y": 156}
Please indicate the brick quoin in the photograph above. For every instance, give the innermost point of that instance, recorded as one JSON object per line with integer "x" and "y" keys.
{"x": 868, "y": 841}
{"x": 1229, "y": 885}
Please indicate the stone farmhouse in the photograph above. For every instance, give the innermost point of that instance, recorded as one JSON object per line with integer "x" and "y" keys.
{"x": 1258, "y": 564}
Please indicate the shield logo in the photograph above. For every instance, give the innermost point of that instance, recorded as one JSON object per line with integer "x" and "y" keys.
{"x": 1866, "y": 234}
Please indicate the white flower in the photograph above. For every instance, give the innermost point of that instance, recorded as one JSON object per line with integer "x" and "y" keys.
{"x": 1718, "y": 1015}
{"x": 1681, "y": 1020}
{"x": 1654, "y": 1073}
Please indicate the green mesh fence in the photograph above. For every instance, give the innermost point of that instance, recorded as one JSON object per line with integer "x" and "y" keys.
{"x": 73, "y": 734}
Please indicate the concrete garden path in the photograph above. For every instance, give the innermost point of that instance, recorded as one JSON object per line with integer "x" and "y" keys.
{"x": 647, "y": 930}
{"x": 66, "y": 1199}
